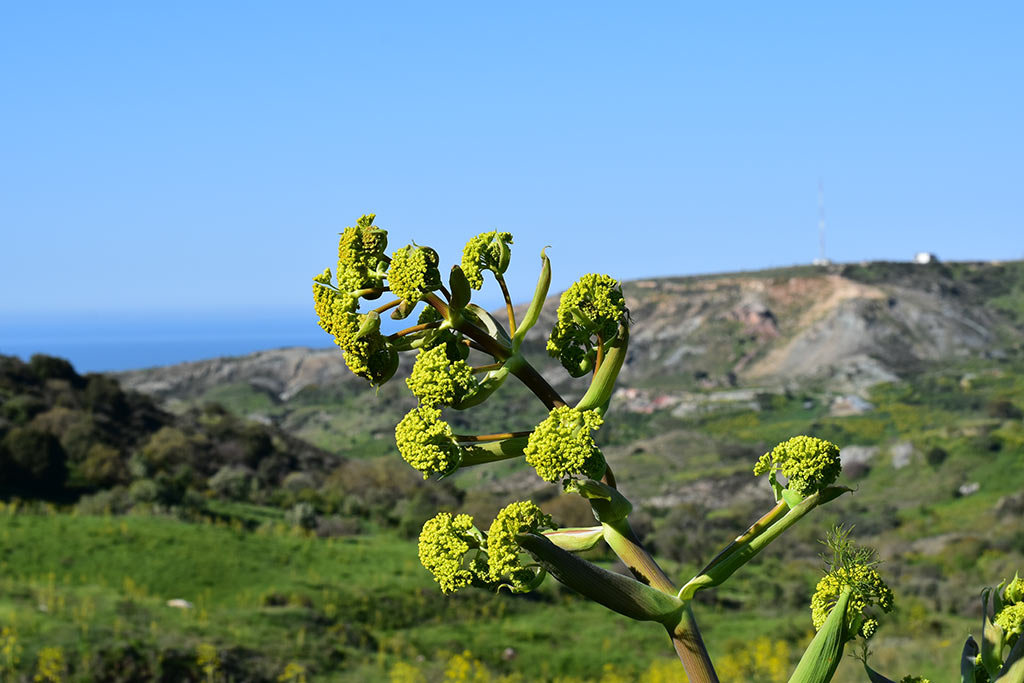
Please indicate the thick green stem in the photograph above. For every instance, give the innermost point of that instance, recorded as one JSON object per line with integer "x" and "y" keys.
{"x": 689, "y": 646}
{"x": 482, "y": 438}
{"x": 492, "y": 451}
{"x": 685, "y": 635}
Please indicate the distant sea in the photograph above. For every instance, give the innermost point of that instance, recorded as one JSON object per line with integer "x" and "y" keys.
{"x": 97, "y": 343}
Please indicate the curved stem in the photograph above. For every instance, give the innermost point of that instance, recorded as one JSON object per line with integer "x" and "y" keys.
{"x": 600, "y": 354}
{"x": 414, "y": 328}
{"x": 387, "y": 307}
{"x": 529, "y": 376}
{"x": 508, "y": 304}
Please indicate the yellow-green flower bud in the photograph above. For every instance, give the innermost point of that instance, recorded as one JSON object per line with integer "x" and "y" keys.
{"x": 809, "y": 464}
{"x": 426, "y": 442}
{"x": 361, "y": 258}
{"x": 438, "y": 380}
{"x": 330, "y": 304}
{"x": 561, "y": 445}
{"x": 867, "y": 588}
{"x": 366, "y": 351}
{"x": 592, "y": 307}
{"x": 503, "y": 549}
{"x": 1011, "y": 620}
{"x": 486, "y": 251}
{"x": 444, "y": 543}
{"x": 914, "y": 679}
{"x": 413, "y": 272}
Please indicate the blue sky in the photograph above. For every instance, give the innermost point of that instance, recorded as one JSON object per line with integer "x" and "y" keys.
{"x": 200, "y": 158}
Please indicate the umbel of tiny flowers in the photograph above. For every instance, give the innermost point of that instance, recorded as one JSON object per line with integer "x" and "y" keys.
{"x": 808, "y": 463}
{"x": 445, "y": 542}
{"x": 486, "y": 251}
{"x": 458, "y": 554}
{"x": 503, "y": 552}
{"x": 589, "y": 315}
{"x": 562, "y": 446}
{"x": 851, "y": 585}
{"x": 413, "y": 273}
{"x": 426, "y": 442}
{"x": 438, "y": 379}
{"x": 851, "y": 568}
{"x": 1011, "y": 620}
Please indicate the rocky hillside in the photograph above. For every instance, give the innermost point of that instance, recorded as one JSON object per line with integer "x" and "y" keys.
{"x": 851, "y": 326}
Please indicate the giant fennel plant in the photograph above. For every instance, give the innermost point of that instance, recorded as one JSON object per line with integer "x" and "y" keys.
{"x": 522, "y": 545}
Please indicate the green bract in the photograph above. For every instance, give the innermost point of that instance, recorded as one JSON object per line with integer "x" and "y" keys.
{"x": 591, "y": 308}
{"x": 426, "y": 442}
{"x": 437, "y": 380}
{"x": 809, "y": 464}
{"x": 502, "y": 548}
{"x": 413, "y": 272}
{"x": 444, "y": 543}
{"x": 561, "y": 445}
{"x": 1015, "y": 590}
{"x": 362, "y": 262}
{"x": 1011, "y": 620}
{"x": 486, "y": 251}
{"x": 867, "y": 588}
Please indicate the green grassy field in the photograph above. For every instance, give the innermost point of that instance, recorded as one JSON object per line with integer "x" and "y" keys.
{"x": 273, "y": 601}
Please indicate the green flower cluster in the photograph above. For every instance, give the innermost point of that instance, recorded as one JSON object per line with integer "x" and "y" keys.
{"x": 457, "y": 554}
{"x": 366, "y": 351}
{"x": 1011, "y": 616}
{"x": 414, "y": 272}
{"x": 502, "y": 548}
{"x": 486, "y": 251}
{"x": 914, "y": 679}
{"x": 426, "y": 442}
{"x": 444, "y": 543}
{"x": 561, "y": 445}
{"x": 867, "y": 588}
{"x": 362, "y": 263}
{"x": 809, "y": 464}
{"x": 331, "y": 306}
{"x": 438, "y": 380}
{"x": 592, "y": 307}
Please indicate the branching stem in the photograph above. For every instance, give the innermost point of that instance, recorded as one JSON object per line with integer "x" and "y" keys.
{"x": 487, "y": 368}
{"x": 415, "y": 328}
